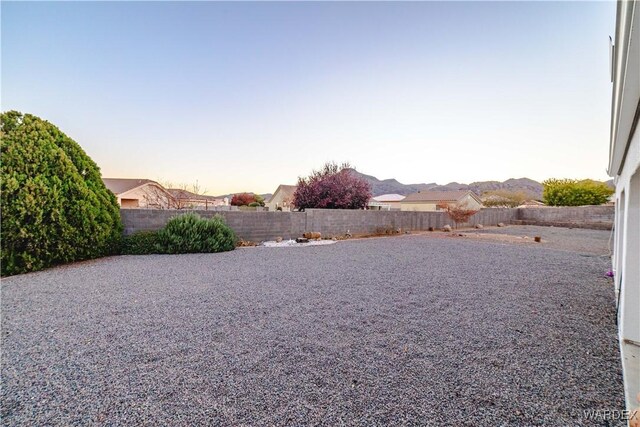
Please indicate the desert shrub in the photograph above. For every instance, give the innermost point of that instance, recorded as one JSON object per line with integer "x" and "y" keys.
{"x": 192, "y": 234}
{"x": 55, "y": 207}
{"x": 571, "y": 192}
{"x": 140, "y": 243}
{"x": 458, "y": 213}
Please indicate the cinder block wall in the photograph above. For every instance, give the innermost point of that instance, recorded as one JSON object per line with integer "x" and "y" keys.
{"x": 260, "y": 226}
{"x": 579, "y": 216}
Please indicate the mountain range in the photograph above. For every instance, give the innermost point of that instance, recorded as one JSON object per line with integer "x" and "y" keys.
{"x": 393, "y": 186}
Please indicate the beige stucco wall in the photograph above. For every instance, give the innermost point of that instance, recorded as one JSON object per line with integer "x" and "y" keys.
{"x": 145, "y": 195}
{"x": 390, "y": 205}
{"x": 278, "y": 200}
{"x": 468, "y": 202}
{"x": 471, "y": 203}
{"x": 129, "y": 203}
{"x": 418, "y": 207}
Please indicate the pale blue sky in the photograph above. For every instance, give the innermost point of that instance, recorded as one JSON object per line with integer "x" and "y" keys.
{"x": 245, "y": 96}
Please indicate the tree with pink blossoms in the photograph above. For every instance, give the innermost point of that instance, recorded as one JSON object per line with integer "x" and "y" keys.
{"x": 332, "y": 187}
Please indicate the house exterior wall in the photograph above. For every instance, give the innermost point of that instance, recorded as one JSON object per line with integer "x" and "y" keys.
{"x": 626, "y": 268}
{"x": 147, "y": 195}
{"x": 432, "y": 206}
{"x": 129, "y": 203}
{"x": 385, "y": 206}
{"x": 418, "y": 206}
{"x": 624, "y": 167}
{"x": 471, "y": 203}
{"x": 278, "y": 200}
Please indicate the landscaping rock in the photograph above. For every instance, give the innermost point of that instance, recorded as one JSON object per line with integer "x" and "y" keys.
{"x": 537, "y": 239}
{"x": 479, "y": 226}
{"x": 302, "y": 240}
{"x": 278, "y": 239}
{"x": 337, "y": 335}
{"x": 446, "y": 228}
{"x": 501, "y": 224}
{"x": 312, "y": 235}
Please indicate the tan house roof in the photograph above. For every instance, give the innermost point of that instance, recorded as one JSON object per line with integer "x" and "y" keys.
{"x": 439, "y": 196}
{"x": 122, "y": 185}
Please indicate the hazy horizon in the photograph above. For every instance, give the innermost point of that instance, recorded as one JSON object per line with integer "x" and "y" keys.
{"x": 247, "y": 96}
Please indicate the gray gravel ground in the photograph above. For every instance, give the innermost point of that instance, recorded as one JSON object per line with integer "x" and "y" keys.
{"x": 581, "y": 240}
{"x": 408, "y": 330}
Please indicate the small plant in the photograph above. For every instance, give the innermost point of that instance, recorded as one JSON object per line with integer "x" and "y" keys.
{"x": 458, "y": 213}
{"x": 192, "y": 234}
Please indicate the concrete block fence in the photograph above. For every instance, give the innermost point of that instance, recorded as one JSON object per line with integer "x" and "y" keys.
{"x": 595, "y": 217}
{"x": 260, "y": 226}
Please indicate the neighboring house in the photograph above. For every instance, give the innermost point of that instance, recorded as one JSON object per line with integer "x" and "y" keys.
{"x": 386, "y": 202}
{"x": 139, "y": 193}
{"x": 282, "y": 198}
{"x": 624, "y": 167}
{"x": 436, "y": 200}
{"x": 183, "y": 199}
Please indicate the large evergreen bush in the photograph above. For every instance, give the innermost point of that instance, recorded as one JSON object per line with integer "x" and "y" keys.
{"x": 55, "y": 207}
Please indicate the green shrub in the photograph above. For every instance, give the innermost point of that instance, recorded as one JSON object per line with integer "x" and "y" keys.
{"x": 140, "y": 243}
{"x": 192, "y": 234}
{"x": 55, "y": 207}
{"x": 571, "y": 192}
{"x": 254, "y": 204}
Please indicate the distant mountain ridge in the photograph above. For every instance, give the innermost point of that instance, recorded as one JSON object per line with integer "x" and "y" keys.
{"x": 391, "y": 186}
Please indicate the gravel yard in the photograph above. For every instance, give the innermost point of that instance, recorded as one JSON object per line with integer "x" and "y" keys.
{"x": 597, "y": 242}
{"x": 406, "y": 330}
